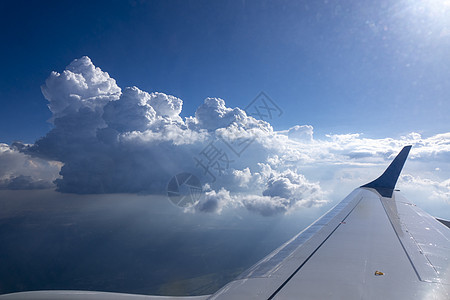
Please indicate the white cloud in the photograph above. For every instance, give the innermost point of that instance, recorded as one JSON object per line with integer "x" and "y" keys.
{"x": 304, "y": 132}
{"x": 110, "y": 140}
{"x": 80, "y": 85}
{"x": 280, "y": 192}
{"x": 437, "y": 190}
{"x": 132, "y": 111}
{"x": 213, "y": 114}
{"x": 166, "y": 105}
{"x": 294, "y": 187}
{"x": 213, "y": 201}
{"x": 21, "y": 171}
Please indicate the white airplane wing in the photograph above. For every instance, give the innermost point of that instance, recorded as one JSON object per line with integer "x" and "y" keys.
{"x": 373, "y": 245}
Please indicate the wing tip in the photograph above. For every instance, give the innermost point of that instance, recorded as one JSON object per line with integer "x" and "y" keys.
{"x": 385, "y": 184}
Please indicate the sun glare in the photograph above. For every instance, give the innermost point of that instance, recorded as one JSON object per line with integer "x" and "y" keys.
{"x": 436, "y": 12}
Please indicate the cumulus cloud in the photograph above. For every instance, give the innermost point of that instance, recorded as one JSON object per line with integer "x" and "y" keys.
{"x": 285, "y": 192}
{"x": 112, "y": 140}
{"x": 132, "y": 111}
{"x": 213, "y": 114}
{"x": 282, "y": 192}
{"x": 292, "y": 186}
{"x": 80, "y": 85}
{"x": 304, "y": 132}
{"x": 166, "y": 105}
{"x": 130, "y": 140}
{"x": 213, "y": 201}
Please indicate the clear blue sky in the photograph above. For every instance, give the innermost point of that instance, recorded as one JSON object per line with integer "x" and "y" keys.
{"x": 381, "y": 69}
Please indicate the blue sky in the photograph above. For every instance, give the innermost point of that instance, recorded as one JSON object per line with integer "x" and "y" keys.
{"x": 380, "y": 68}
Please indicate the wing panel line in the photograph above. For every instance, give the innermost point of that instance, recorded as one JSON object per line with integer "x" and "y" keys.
{"x": 399, "y": 239}
{"x": 264, "y": 267}
{"x": 306, "y": 260}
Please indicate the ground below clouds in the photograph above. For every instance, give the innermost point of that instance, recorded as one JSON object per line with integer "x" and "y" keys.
{"x": 126, "y": 243}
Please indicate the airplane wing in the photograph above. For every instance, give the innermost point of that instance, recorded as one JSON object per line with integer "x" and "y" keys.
{"x": 374, "y": 244}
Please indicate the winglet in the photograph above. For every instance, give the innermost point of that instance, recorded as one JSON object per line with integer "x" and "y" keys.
{"x": 385, "y": 184}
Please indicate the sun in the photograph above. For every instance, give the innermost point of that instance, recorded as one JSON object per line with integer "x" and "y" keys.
{"x": 429, "y": 19}
{"x": 438, "y": 10}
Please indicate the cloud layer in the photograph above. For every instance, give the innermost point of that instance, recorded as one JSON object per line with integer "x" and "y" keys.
{"x": 111, "y": 140}
{"x": 22, "y": 172}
